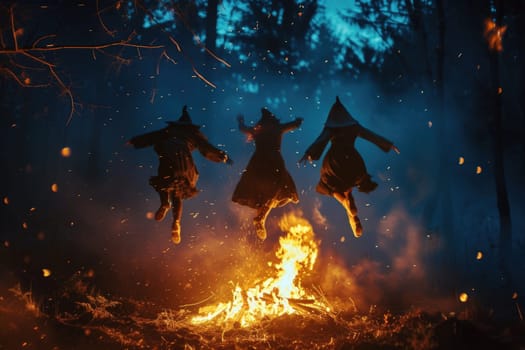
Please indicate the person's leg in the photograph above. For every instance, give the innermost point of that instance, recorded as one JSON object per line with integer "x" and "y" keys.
{"x": 355, "y": 223}
{"x": 164, "y": 206}
{"x": 347, "y": 201}
{"x": 176, "y": 203}
{"x": 260, "y": 220}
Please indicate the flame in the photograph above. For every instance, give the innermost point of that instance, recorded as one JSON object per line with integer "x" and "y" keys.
{"x": 279, "y": 294}
{"x": 494, "y": 35}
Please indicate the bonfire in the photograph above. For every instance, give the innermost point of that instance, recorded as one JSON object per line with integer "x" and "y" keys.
{"x": 279, "y": 294}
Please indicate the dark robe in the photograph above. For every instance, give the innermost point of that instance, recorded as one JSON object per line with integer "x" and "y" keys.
{"x": 343, "y": 167}
{"x": 266, "y": 178}
{"x": 174, "y": 144}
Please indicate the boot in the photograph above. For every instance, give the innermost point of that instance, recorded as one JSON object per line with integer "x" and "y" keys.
{"x": 355, "y": 223}
{"x": 259, "y": 228}
{"x": 175, "y": 232}
{"x": 161, "y": 212}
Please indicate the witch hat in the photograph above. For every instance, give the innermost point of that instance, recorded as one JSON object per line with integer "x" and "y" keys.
{"x": 267, "y": 116}
{"x": 184, "y": 119}
{"x": 339, "y": 116}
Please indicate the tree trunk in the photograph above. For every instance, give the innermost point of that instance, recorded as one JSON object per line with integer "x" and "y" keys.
{"x": 521, "y": 86}
{"x": 445, "y": 204}
{"x": 496, "y": 129}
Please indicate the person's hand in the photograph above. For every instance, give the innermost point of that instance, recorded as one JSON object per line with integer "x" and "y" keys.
{"x": 395, "y": 149}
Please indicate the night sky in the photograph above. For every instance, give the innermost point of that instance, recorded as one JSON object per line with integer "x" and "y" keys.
{"x": 432, "y": 228}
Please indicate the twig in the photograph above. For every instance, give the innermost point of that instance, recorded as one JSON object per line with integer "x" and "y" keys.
{"x": 42, "y": 38}
{"x": 13, "y": 31}
{"x": 10, "y": 73}
{"x": 197, "y": 303}
{"x": 102, "y": 24}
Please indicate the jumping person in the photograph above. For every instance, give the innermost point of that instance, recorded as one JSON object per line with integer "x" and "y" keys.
{"x": 343, "y": 167}
{"x": 266, "y": 184}
{"x": 177, "y": 175}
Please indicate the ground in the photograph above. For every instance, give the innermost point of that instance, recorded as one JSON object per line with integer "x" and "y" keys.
{"x": 78, "y": 319}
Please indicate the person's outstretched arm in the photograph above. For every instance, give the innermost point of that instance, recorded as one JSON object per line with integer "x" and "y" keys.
{"x": 209, "y": 151}
{"x": 148, "y": 139}
{"x": 316, "y": 149}
{"x": 378, "y": 140}
{"x": 291, "y": 125}
{"x": 242, "y": 127}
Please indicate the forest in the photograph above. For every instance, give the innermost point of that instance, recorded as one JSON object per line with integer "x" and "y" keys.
{"x": 85, "y": 265}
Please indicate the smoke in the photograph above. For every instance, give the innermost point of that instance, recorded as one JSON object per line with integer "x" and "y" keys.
{"x": 395, "y": 277}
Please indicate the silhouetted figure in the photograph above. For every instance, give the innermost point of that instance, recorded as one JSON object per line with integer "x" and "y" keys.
{"x": 343, "y": 168}
{"x": 266, "y": 184}
{"x": 177, "y": 175}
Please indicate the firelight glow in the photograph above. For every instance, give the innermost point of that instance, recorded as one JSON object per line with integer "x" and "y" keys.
{"x": 278, "y": 294}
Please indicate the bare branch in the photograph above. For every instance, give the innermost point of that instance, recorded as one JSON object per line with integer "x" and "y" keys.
{"x": 198, "y": 40}
{"x": 32, "y": 53}
{"x": 11, "y": 74}
{"x": 13, "y": 31}
{"x": 179, "y": 48}
{"x": 37, "y": 41}
{"x": 102, "y": 24}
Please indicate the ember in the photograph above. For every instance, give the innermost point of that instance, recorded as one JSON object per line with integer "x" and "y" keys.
{"x": 277, "y": 295}
{"x": 494, "y": 35}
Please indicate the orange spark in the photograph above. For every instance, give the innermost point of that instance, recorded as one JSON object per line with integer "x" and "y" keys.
{"x": 463, "y": 297}
{"x": 65, "y": 152}
{"x": 54, "y": 188}
{"x": 494, "y": 35}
